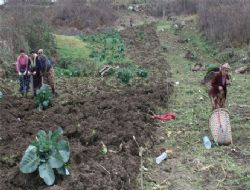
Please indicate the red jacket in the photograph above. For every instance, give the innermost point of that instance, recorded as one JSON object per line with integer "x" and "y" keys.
{"x": 217, "y": 81}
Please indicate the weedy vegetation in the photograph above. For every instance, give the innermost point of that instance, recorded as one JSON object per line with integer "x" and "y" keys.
{"x": 71, "y": 72}
{"x": 125, "y": 75}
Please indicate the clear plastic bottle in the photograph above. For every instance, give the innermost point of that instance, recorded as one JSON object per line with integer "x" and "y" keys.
{"x": 206, "y": 142}
{"x": 160, "y": 158}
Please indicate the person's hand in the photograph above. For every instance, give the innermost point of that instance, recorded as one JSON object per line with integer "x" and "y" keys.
{"x": 220, "y": 88}
{"x": 29, "y": 73}
{"x": 19, "y": 73}
{"x": 34, "y": 73}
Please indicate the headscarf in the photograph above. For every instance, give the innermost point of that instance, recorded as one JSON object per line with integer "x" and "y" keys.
{"x": 225, "y": 66}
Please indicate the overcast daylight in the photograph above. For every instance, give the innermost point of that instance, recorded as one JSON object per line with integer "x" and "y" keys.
{"x": 124, "y": 94}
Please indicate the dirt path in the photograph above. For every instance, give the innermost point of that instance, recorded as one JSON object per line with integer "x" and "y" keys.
{"x": 194, "y": 167}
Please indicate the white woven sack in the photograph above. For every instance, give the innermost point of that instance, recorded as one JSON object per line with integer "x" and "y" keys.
{"x": 219, "y": 124}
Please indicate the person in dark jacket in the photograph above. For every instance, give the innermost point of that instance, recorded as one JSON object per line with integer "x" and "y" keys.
{"x": 46, "y": 70}
{"x": 218, "y": 91}
{"x": 36, "y": 78}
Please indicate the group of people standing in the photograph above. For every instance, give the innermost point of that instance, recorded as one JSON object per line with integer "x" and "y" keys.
{"x": 36, "y": 69}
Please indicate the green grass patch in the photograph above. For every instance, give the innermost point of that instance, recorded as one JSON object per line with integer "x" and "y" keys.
{"x": 71, "y": 50}
{"x": 198, "y": 43}
{"x": 84, "y": 55}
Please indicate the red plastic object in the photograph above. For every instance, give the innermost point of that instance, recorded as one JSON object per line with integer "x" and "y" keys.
{"x": 167, "y": 116}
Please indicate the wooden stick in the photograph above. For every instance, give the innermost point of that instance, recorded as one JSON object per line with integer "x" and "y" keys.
{"x": 104, "y": 168}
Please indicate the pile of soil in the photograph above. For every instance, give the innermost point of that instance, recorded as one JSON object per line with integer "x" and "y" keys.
{"x": 90, "y": 116}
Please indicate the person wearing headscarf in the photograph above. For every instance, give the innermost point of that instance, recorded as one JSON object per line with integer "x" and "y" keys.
{"x": 218, "y": 91}
{"x": 22, "y": 70}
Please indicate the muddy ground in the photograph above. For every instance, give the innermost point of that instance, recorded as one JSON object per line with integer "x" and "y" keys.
{"x": 91, "y": 111}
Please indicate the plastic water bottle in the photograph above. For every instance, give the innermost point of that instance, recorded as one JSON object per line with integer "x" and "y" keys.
{"x": 160, "y": 158}
{"x": 207, "y": 143}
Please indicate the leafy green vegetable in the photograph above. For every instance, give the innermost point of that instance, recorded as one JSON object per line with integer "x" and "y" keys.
{"x": 30, "y": 160}
{"x": 46, "y": 153}
{"x": 43, "y": 98}
{"x": 46, "y": 172}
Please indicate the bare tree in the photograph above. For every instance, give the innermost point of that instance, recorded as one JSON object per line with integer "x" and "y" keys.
{"x": 161, "y": 8}
{"x": 27, "y": 24}
{"x": 225, "y": 20}
{"x": 84, "y": 14}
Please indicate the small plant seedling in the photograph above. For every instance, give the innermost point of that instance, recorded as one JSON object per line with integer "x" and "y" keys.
{"x": 142, "y": 73}
{"x": 104, "y": 149}
{"x": 141, "y": 35}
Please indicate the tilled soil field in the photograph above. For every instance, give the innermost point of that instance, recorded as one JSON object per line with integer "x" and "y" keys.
{"x": 90, "y": 115}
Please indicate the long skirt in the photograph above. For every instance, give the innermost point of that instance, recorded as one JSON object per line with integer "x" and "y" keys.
{"x": 218, "y": 101}
{"x": 24, "y": 84}
{"x": 37, "y": 82}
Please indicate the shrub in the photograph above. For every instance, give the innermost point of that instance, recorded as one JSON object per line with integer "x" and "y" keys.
{"x": 47, "y": 154}
{"x": 11, "y": 39}
{"x": 38, "y": 34}
{"x": 43, "y": 98}
{"x": 26, "y": 26}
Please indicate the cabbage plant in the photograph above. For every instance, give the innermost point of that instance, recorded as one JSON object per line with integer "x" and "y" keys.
{"x": 43, "y": 98}
{"x": 47, "y": 154}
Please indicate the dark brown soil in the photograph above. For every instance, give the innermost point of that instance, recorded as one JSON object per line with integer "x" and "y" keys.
{"x": 90, "y": 113}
